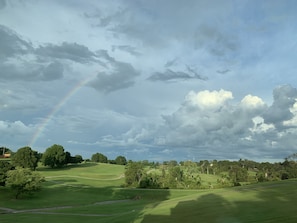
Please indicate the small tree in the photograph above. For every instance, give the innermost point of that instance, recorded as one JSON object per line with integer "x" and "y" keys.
{"x": 25, "y": 157}
{"x": 54, "y": 156}
{"x": 23, "y": 180}
{"x": 121, "y": 160}
{"x": 99, "y": 158}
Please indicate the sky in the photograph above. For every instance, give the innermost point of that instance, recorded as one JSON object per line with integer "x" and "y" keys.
{"x": 150, "y": 80}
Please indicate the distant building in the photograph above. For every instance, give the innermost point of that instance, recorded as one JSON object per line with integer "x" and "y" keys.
{"x": 5, "y": 155}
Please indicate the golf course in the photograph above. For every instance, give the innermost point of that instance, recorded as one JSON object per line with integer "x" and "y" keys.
{"x": 92, "y": 192}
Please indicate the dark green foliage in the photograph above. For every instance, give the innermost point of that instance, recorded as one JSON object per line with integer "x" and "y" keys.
{"x": 150, "y": 181}
{"x": 133, "y": 174}
{"x": 99, "y": 158}
{"x": 174, "y": 177}
{"x": 23, "y": 180}
{"x": 4, "y": 168}
{"x": 73, "y": 159}
{"x": 26, "y": 157}
{"x": 121, "y": 160}
{"x": 54, "y": 156}
{"x": 238, "y": 174}
{"x": 78, "y": 158}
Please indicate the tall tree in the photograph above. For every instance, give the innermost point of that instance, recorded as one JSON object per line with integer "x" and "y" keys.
{"x": 54, "y": 156}
{"x": 26, "y": 157}
{"x": 99, "y": 158}
{"x": 134, "y": 173}
{"x": 23, "y": 180}
{"x": 121, "y": 160}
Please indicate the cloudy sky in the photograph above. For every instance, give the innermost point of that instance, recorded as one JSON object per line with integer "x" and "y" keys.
{"x": 155, "y": 80}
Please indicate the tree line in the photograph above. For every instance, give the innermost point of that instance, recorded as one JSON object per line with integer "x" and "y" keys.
{"x": 19, "y": 173}
{"x": 187, "y": 174}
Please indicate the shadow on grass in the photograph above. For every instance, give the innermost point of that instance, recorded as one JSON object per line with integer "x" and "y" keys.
{"x": 84, "y": 203}
{"x": 263, "y": 203}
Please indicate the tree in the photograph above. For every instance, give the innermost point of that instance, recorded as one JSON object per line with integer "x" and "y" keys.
{"x": 4, "y": 168}
{"x": 121, "y": 160}
{"x": 174, "y": 177}
{"x": 99, "y": 158}
{"x": 78, "y": 158}
{"x": 23, "y": 180}
{"x": 54, "y": 156}
{"x": 25, "y": 157}
{"x": 238, "y": 174}
{"x": 73, "y": 159}
{"x": 134, "y": 173}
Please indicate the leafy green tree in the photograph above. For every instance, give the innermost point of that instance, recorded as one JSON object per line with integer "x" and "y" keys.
{"x": 73, "y": 159}
{"x": 151, "y": 181}
{"x": 134, "y": 173}
{"x": 54, "y": 156}
{"x": 121, "y": 160}
{"x": 99, "y": 158}
{"x": 238, "y": 174}
{"x": 26, "y": 157}
{"x": 23, "y": 180}
{"x": 4, "y": 168}
{"x": 174, "y": 177}
{"x": 78, "y": 158}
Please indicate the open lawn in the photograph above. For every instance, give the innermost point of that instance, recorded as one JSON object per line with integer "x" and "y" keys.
{"x": 92, "y": 193}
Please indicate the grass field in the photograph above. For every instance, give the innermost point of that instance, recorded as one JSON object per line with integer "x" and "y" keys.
{"x": 92, "y": 193}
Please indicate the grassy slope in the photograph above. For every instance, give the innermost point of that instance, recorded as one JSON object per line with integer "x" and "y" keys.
{"x": 84, "y": 187}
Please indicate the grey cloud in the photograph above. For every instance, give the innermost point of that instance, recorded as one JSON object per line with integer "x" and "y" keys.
{"x": 121, "y": 77}
{"x": 31, "y": 71}
{"x": 171, "y": 62}
{"x": 219, "y": 129}
{"x": 233, "y": 128}
{"x": 70, "y": 51}
{"x": 104, "y": 54}
{"x": 15, "y": 64}
{"x": 11, "y": 44}
{"x": 127, "y": 48}
{"x": 215, "y": 41}
{"x": 284, "y": 98}
{"x": 2, "y": 4}
{"x": 53, "y": 71}
{"x": 169, "y": 75}
{"x": 223, "y": 71}
{"x": 26, "y": 72}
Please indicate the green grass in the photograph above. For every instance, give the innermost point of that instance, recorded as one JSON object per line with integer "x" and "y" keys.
{"x": 86, "y": 192}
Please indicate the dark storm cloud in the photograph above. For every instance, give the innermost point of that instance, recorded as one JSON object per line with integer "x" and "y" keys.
{"x": 15, "y": 63}
{"x": 121, "y": 77}
{"x": 284, "y": 98}
{"x": 170, "y": 75}
{"x": 11, "y": 44}
{"x": 70, "y": 51}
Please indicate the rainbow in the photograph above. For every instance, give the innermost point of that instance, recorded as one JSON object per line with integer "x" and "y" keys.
{"x": 57, "y": 107}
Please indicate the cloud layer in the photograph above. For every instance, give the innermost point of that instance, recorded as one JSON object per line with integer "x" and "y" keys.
{"x": 150, "y": 79}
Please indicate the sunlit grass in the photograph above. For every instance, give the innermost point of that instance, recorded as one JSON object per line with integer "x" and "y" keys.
{"x": 92, "y": 193}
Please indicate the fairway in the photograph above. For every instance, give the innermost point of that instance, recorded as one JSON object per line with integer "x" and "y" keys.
{"x": 93, "y": 193}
